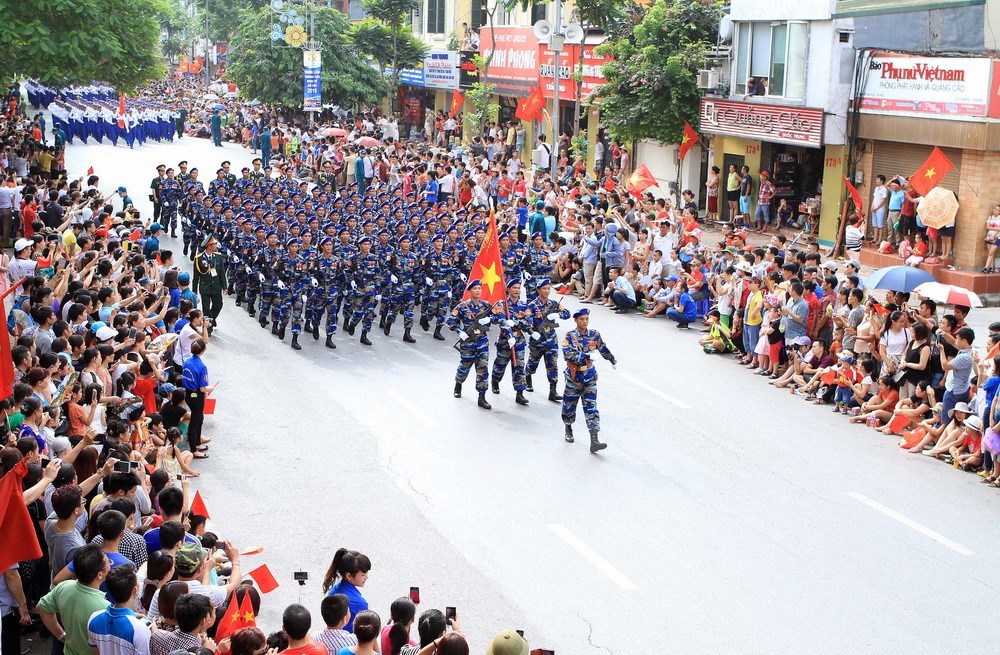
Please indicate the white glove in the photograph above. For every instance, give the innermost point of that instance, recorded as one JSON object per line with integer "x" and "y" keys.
{"x": 552, "y": 316}
{"x": 378, "y": 297}
{"x": 249, "y": 270}
{"x": 449, "y": 294}
{"x": 509, "y": 323}
{"x": 305, "y": 299}
{"x": 236, "y": 260}
{"x": 511, "y": 342}
{"x": 261, "y": 275}
{"x": 462, "y": 335}
{"x": 535, "y": 336}
{"x": 486, "y": 320}
{"x": 429, "y": 281}
{"x": 314, "y": 281}
{"x": 463, "y": 276}
{"x": 281, "y": 285}
{"x": 354, "y": 285}
{"x": 395, "y": 280}
{"x": 615, "y": 366}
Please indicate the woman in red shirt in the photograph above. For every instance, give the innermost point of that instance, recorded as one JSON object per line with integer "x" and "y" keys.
{"x": 29, "y": 214}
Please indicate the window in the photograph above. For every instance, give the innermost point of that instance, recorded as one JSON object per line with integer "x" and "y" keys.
{"x": 435, "y": 16}
{"x": 538, "y": 11}
{"x": 773, "y": 55}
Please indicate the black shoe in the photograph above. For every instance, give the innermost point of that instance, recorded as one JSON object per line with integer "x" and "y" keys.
{"x": 520, "y": 399}
{"x": 553, "y": 394}
{"x": 263, "y": 321}
{"x": 527, "y": 379}
{"x": 425, "y": 323}
{"x": 569, "y": 434}
{"x": 495, "y": 386}
{"x": 407, "y": 338}
{"x": 295, "y": 342}
{"x": 458, "y": 389}
{"x": 437, "y": 334}
{"x": 381, "y": 322}
{"x": 329, "y": 343}
{"x": 173, "y": 233}
{"x": 252, "y": 311}
{"x": 239, "y": 302}
{"x": 684, "y": 326}
{"x": 274, "y": 329}
{"x": 350, "y": 328}
{"x": 316, "y": 332}
{"x": 387, "y": 328}
{"x": 364, "y": 338}
{"x": 596, "y": 445}
{"x": 281, "y": 333}
{"x": 482, "y": 401}
{"x": 185, "y": 249}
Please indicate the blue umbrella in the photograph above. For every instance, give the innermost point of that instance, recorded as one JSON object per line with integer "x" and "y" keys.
{"x": 218, "y": 105}
{"x": 898, "y": 278}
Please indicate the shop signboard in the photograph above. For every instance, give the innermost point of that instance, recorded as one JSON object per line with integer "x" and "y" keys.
{"x": 797, "y": 126}
{"x": 411, "y": 76}
{"x": 514, "y": 64}
{"x": 468, "y": 74}
{"x": 933, "y": 87}
{"x": 441, "y": 70}
{"x": 593, "y": 76}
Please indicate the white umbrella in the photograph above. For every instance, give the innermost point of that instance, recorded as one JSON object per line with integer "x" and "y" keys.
{"x": 949, "y": 294}
{"x": 231, "y": 94}
{"x": 210, "y": 96}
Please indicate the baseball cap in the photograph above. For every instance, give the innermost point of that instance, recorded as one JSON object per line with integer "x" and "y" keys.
{"x": 830, "y": 265}
{"x": 189, "y": 558}
{"x": 21, "y": 244}
{"x": 507, "y": 642}
{"x": 803, "y": 341}
{"x": 122, "y": 189}
{"x": 105, "y": 333}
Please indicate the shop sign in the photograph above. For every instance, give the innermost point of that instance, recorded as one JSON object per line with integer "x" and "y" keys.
{"x": 514, "y": 64}
{"x": 797, "y": 126}
{"x": 941, "y": 87}
{"x": 593, "y": 75}
{"x": 468, "y": 74}
{"x": 441, "y": 70}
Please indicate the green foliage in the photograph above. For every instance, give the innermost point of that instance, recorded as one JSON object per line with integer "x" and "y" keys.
{"x": 453, "y": 42}
{"x": 224, "y": 16}
{"x": 370, "y": 36}
{"x": 405, "y": 50}
{"x": 651, "y": 86}
{"x": 480, "y": 96}
{"x": 80, "y": 41}
{"x": 274, "y": 74}
{"x": 177, "y": 28}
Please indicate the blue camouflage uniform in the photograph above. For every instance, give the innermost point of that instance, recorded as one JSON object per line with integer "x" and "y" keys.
{"x": 542, "y": 344}
{"x": 365, "y": 273}
{"x": 581, "y": 376}
{"x": 514, "y": 326}
{"x": 473, "y": 317}
{"x": 326, "y": 294}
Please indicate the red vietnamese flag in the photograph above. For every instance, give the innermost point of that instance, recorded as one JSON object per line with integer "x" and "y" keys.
{"x": 239, "y": 614}
{"x": 198, "y": 506}
{"x": 90, "y": 171}
{"x": 19, "y": 542}
{"x": 688, "y": 140}
{"x": 488, "y": 268}
{"x": 522, "y": 110}
{"x": 859, "y": 205}
{"x": 456, "y": 103}
{"x": 640, "y": 180}
{"x": 247, "y": 616}
{"x": 932, "y": 172}
{"x": 6, "y": 358}
{"x": 121, "y": 111}
{"x": 535, "y": 103}
{"x": 265, "y": 581}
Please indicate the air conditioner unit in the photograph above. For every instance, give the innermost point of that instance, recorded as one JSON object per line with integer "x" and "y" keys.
{"x": 708, "y": 79}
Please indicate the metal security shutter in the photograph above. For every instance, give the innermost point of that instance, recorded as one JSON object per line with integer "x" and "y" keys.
{"x": 905, "y": 158}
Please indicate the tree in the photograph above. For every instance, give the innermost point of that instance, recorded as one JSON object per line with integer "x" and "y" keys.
{"x": 274, "y": 74}
{"x": 177, "y": 27}
{"x": 370, "y": 36}
{"x": 224, "y": 16}
{"x": 651, "y": 87}
{"x": 394, "y": 14}
{"x": 63, "y": 42}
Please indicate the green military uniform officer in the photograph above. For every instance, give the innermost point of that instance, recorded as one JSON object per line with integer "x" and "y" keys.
{"x": 210, "y": 278}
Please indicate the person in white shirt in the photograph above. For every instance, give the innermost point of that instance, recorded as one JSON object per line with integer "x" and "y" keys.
{"x": 542, "y": 155}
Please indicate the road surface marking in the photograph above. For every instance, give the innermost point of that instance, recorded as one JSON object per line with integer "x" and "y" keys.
{"x": 588, "y": 553}
{"x": 423, "y": 355}
{"x": 413, "y": 409}
{"x": 653, "y": 390}
{"x": 910, "y": 523}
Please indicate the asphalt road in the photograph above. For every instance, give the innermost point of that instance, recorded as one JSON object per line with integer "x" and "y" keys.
{"x": 725, "y": 516}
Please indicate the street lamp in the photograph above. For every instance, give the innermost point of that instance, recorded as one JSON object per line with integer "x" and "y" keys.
{"x": 556, "y": 36}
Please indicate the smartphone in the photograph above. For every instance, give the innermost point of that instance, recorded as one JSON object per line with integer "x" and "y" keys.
{"x": 301, "y": 576}
{"x": 178, "y": 477}
{"x": 415, "y": 595}
{"x": 131, "y": 333}
{"x": 123, "y": 467}
{"x": 221, "y": 545}
{"x": 449, "y": 614}
{"x": 45, "y": 461}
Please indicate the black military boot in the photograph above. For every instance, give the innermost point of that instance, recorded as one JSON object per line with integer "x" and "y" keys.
{"x": 527, "y": 379}
{"x": 251, "y": 310}
{"x": 274, "y": 328}
{"x": 295, "y": 342}
{"x": 329, "y": 343}
{"x": 482, "y": 401}
{"x": 185, "y": 248}
{"x": 520, "y": 399}
{"x": 569, "y": 434}
{"x": 281, "y": 333}
{"x": 263, "y": 320}
{"x": 407, "y": 338}
{"x": 425, "y": 323}
{"x": 437, "y": 334}
{"x": 350, "y": 327}
{"x": 495, "y": 386}
{"x": 458, "y": 389}
{"x": 364, "y": 338}
{"x": 239, "y": 301}
{"x": 316, "y": 331}
{"x": 553, "y": 394}
{"x": 596, "y": 445}
{"x": 387, "y": 328}
{"x": 307, "y": 328}
{"x": 381, "y": 322}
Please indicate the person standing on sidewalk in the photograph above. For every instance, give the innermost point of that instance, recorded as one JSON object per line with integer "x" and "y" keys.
{"x": 210, "y": 279}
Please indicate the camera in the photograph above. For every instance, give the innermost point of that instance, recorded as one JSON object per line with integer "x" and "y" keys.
{"x": 122, "y": 467}
{"x": 301, "y": 577}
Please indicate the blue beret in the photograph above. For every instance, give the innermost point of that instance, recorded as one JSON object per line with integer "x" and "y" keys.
{"x": 536, "y": 235}
{"x": 271, "y": 233}
{"x": 324, "y": 241}
{"x": 294, "y": 242}
{"x": 258, "y": 228}
{"x": 383, "y": 231}
{"x": 474, "y": 283}
{"x": 344, "y": 230}
{"x": 364, "y": 240}
{"x": 437, "y": 237}
{"x": 404, "y": 237}
{"x": 581, "y": 312}
{"x": 515, "y": 280}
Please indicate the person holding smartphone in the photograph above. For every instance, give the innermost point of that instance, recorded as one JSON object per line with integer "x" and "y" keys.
{"x": 194, "y": 377}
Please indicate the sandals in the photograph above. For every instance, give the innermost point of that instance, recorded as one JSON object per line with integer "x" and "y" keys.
{"x": 200, "y": 455}
{"x": 988, "y": 479}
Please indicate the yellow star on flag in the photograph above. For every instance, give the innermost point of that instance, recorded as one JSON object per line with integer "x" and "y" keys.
{"x": 685, "y": 139}
{"x": 930, "y": 173}
{"x": 248, "y": 617}
{"x": 489, "y": 276}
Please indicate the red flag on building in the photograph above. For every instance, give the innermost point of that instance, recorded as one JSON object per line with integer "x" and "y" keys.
{"x": 859, "y": 205}
{"x": 121, "y": 111}
{"x": 522, "y": 110}
{"x": 265, "y": 581}
{"x": 932, "y": 172}
{"x": 198, "y": 506}
{"x": 19, "y": 542}
{"x": 488, "y": 268}
{"x": 688, "y": 140}
{"x": 456, "y": 103}
{"x": 640, "y": 180}
{"x": 184, "y": 66}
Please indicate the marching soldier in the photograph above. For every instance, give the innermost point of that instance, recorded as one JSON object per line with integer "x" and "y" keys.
{"x": 404, "y": 280}
{"x": 537, "y": 264}
{"x": 210, "y": 278}
{"x": 266, "y": 264}
{"x": 326, "y": 290}
{"x": 438, "y": 272}
{"x": 365, "y": 274}
{"x": 510, "y": 344}
{"x": 581, "y": 377}
{"x": 471, "y": 319}
{"x": 542, "y": 346}
{"x": 295, "y": 277}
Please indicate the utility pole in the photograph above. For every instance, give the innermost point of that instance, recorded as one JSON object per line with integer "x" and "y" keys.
{"x": 208, "y": 60}
{"x": 556, "y": 44}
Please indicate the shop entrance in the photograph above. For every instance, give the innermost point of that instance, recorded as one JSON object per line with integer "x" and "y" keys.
{"x": 797, "y": 172}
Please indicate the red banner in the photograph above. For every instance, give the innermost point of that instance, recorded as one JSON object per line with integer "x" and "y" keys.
{"x": 514, "y": 65}
{"x": 593, "y": 77}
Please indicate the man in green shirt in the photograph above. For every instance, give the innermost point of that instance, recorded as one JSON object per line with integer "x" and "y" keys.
{"x": 75, "y": 601}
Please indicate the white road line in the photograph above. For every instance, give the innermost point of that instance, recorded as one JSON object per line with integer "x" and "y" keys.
{"x": 910, "y": 523}
{"x": 423, "y": 355}
{"x": 653, "y": 390}
{"x": 412, "y": 408}
{"x": 588, "y": 553}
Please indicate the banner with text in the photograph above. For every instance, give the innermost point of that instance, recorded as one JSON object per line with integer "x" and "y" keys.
{"x": 569, "y": 62}
{"x": 514, "y": 63}
{"x": 943, "y": 87}
{"x": 312, "y": 85}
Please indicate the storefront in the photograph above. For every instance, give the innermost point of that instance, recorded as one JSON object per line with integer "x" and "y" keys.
{"x": 910, "y": 104}
{"x": 786, "y": 141}
{"x": 426, "y": 88}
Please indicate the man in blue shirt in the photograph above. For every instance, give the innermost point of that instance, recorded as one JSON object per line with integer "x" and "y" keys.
{"x": 536, "y": 220}
{"x": 152, "y": 241}
{"x": 117, "y": 630}
{"x": 684, "y": 310}
{"x": 622, "y": 294}
{"x": 795, "y": 313}
{"x": 431, "y": 190}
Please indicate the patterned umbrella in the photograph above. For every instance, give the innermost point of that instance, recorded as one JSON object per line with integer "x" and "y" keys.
{"x": 949, "y": 294}
{"x": 938, "y": 208}
{"x": 368, "y": 142}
